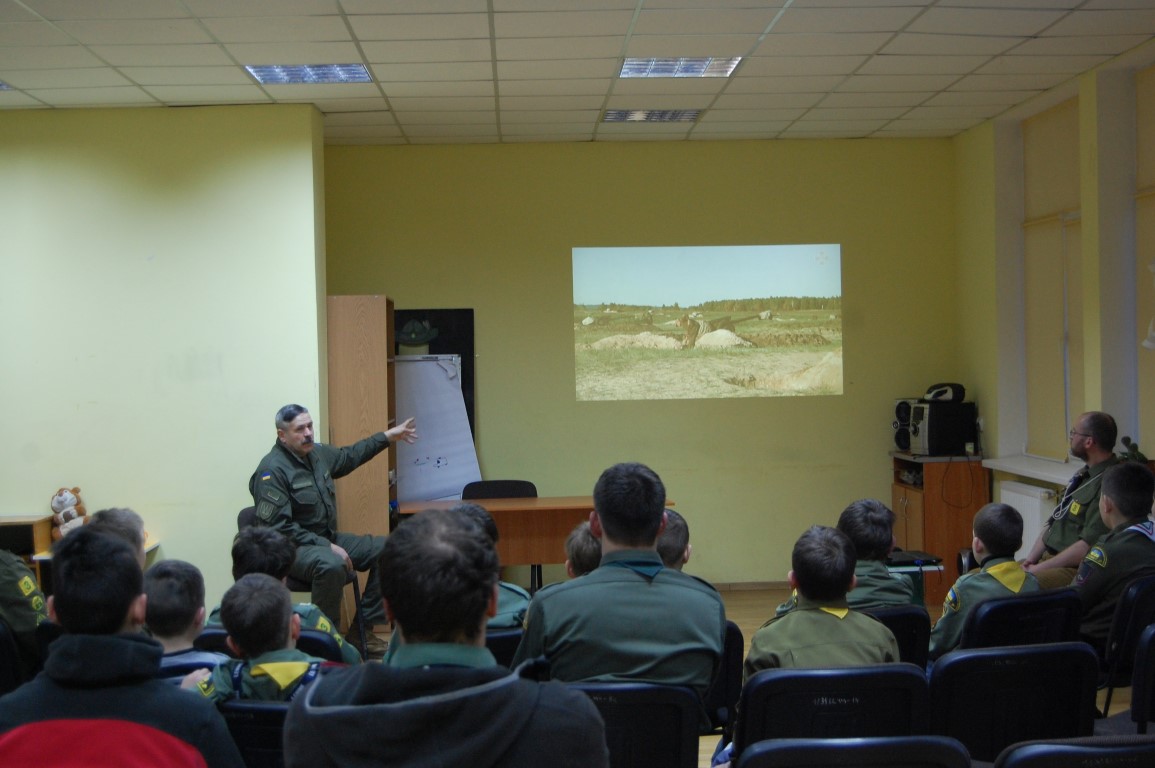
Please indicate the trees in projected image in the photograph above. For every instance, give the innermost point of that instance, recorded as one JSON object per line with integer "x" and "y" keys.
{"x": 684, "y": 323}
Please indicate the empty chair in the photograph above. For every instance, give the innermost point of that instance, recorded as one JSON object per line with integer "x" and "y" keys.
{"x": 844, "y": 702}
{"x": 1097, "y": 751}
{"x": 499, "y": 489}
{"x": 880, "y": 752}
{"x": 1136, "y": 609}
{"x": 989, "y": 698}
{"x": 910, "y": 625}
{"x": 647, "y": 725}
{"x": 1047, "y": 616}
{"x": 502, "y": 643}
{"x": 721, "y": 698}
{"x": 248, "y": 516}
{"x": 258, "y": 729}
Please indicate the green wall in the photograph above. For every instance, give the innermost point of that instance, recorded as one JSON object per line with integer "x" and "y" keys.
{"x": 491, "y": 228}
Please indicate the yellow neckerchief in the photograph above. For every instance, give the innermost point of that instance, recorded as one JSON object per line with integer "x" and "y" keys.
{"x": 836, "y": 612}
{"x": 1010, "y": 574}
{"x": 285, "y": 673}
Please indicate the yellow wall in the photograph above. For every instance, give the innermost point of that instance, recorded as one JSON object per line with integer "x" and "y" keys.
{"x": 158, "y": 304}
{"x": 491, "y": 227}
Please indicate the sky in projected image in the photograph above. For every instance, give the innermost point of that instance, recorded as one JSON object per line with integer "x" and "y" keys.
{"x": 707, "y": 322}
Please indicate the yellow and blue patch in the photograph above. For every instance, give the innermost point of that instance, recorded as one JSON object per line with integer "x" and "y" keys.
{"x": 951, "y": 602}
{"x": 1096, "y": 557}
{"x": 27, "y": 586}
{"x": 266, "y": 476}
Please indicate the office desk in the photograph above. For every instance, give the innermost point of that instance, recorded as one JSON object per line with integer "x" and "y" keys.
{"x": 532, "y": 531}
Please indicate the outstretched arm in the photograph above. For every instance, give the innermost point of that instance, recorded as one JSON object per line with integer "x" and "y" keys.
{"x": 406, "y": 430}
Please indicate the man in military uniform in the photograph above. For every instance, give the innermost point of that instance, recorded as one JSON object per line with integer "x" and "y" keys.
{"x": 1075, "y": 525}
{"x": 1126, "y": 553}
{"x": 294, "y": 494}
{"x": 22, "y": 608}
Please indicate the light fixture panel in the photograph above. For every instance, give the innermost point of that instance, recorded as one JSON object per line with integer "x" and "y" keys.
{"x": 679, "y": 67}
{"x": 299, "y": 74}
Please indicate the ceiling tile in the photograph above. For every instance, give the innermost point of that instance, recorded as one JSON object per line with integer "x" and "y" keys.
{"x": 32, "y": 33}
{"x": 476, "y": 117}
{"x": 216, "y": 8}
{"x": 922, "y": 65}
{"x": 1009, "y": 82}
{"x": 1023, "y": 65}
{"x": 1103, "y": 23}
{"x": 309, "y": 91}
{"x": 856, "y": 113}
{"x": 882, "y": 83}
{"x": 187, "y": 75}
{"x": 1084, "y": 46}
{"x": 801, "y": 84}
{"x": 798, "y": 65}
{"x": 128, "y": 32}
{"x": 984, "y": 21}
{"x": 562, "y": 23}
{"x": 704, "y": 20}
{"x": 692, "y": 46}
{"x": 381, "y": 117}
{"x": 207, "y": 94}
{"x": 845, "y": 44}
{"x": 577, "y": 86}
{"x": 969, "y": 112}
{"x": 673, "y": 85}
{"x": 426, "y": 51}
{"x": 423, "y": 26}
{"x": 519, "y": 49}
{"x": 994, "y": 98}
{"x": 541, "y": 117}
{"x": 294, "y": 29}
{"x": 550, "y": 102}
{"x": 83, "y": 97}
{"x": 162, "y": 55}
{"x": 414, "y": 6}
{"x": 439, "y": 88}
{"x": 913, "y": 44}
{"x": 778, "y": 101}
{"x": 327, "y": 106}
{"x": 689, "y": 101}
{"x": 446, "y": 71}
{"x": 544, "y": 69}
{"x": 29, "y": 79}
{"x": 17, "y": 100}
{"x": 62, "y": 56}
{"x": 909, "y": 99}
{"x": 294, "y": 53}
{"x": 435, "y": 104}
{"x": 847, "y": 19}
{"x": 361, "y": 131}
{"x": 751, "y": 116}
{"x": 59, "y": 10}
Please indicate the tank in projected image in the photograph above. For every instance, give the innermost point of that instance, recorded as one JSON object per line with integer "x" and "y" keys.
{"x": 707, "y": 322}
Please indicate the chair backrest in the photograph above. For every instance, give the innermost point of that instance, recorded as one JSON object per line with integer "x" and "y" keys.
{"x": 910, "y": 625}
{"x": 880, "y": 752}
{"x": 213, "y": 639}
{"x": 989, "y": 698}
{"x": 1046, "y": 616}
{"x": 1097, "y": 751}
{"x": 11, "y": 665}
{"x": 647, "y": 725}
{"x": 246, "y": 517}
{"x": 1143, "y": 680}
{"x": 320, "y": 644}
{"x": 499, "y": 489}
{"x": 258, "y": 728}
{"x": 721, "y": 698}
{"x": 502, "y": 643}
{"x": 843, "y": 702}
{"x": 1135, "y": 610}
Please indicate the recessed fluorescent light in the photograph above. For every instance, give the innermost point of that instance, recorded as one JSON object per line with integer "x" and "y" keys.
{"x": 4, "y": 86}
{"x": 651, "y": 115}
{"x": 295, "y": 74}
{"x": 682, "y": 67}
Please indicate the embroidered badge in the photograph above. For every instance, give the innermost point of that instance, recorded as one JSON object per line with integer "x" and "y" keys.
{"x": 951, "y": 601}
{"x": 27, "y": 586}
{"x": 266, "y": 476}
{"x": 1097, "y": 557}
{"x": 1076, "y": 508}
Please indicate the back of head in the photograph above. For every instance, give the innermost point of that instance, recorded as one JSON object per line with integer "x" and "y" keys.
{"x": 96, "y": 577}
{"x": 1000, "y": 528}
{"x": 122, "y": 522}
{"x": 438, "y": 571}
{"x": 582, "y": 550}
{"x": 1129, "y": 485}
{"x": 673, "y": 540}
{"x": 1102, "y": 429}
{"x": 869, "y": 524}
{"x": 176, "y": 592}
{"x": 257, "y": 549}
{"x": 630, "y": 499}
{"x": 480, "y": 515}
{"x": 256, "y": 611}
{"x": 823, "y": 562}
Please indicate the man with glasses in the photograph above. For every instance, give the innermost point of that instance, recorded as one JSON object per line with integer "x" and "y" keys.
{"x": 1075, "y": 525}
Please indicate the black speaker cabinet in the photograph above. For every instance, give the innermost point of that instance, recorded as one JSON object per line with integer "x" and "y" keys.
{"x": 942, "y": 428}
{"x": 902, "y": 410}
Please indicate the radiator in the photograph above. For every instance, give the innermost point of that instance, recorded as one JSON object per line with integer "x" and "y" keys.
{"x": 1034, "y": 503}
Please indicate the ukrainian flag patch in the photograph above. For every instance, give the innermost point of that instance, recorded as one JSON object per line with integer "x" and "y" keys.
{"x": 951, "y": 601}
{"x": 1097, "y": 557}
{"x": 266, "y": 476}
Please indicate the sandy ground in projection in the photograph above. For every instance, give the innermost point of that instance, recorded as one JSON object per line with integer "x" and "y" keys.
{"x": 793, "y": 359}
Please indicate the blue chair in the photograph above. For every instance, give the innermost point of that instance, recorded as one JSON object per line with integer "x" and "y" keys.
{"x": 882, "y": 752}
{"x": 647, "y": 725}
{"x": 258, "y": 728}
{"x": 1046, "y": 616}
{"x": 910, "y": 625}
{"x": 1143, "y": 681}
{"x": 213, "y": 639}
{"x": 1134, "y": 612}
{"x": 502, "y": 643}
{"x": 1097, "y": 751}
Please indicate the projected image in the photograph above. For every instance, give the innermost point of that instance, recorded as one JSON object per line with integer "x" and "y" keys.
{"x": 707, "y": 322}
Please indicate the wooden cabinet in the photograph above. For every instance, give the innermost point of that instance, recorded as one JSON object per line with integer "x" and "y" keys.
{"x": 935, "y": 499}
{"x": 361, "y": 402}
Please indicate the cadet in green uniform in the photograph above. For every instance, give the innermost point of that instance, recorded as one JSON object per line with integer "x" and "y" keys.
{"x": 293, "y": 492}
{"x": 998, "y": 533}
{"x": 1124, "y": 554}
{"x": 869, "y": 524}
{"x": 1075, "y": 525}
{"x": 22, "y": 608}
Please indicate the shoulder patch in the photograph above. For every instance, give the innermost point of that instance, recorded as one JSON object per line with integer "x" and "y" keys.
{"x": 266, "y": 511}
{"x": 27, "y": 586}
{"x": 266, "y": 475}
{"x": 951, "y": 602}
{"x": 1096, "y": 557}
{"x": 1075, "y": 509}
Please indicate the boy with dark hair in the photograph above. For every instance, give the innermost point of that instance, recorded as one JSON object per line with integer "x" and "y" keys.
{"x": 998, "y": 533}
{"x": 583, "y": 552}
{"x": 440, "y": 698}
{"x": 175, "y": 613}
{"x": 821, "y": 631}
{"x": 257, "y": 549}
{"x": 596, "y": 628}
{"x": 1126, "y": 553}
{"x": 869, "y": 524}
{"x": 101, "y": 676}
{"x": 257, "y": 612}
{"x": 512, "y": 600}
{"x": 124, "y": 523}
{"x": 674, "y": 541}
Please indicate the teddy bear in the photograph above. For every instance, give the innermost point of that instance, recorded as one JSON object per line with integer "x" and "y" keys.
{"x": 69, "y": 512}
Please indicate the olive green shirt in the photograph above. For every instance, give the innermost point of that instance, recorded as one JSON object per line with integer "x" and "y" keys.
{"x": 22, "y": 607}
{"x": 272, "y": 676}
{"x": 312, "y": 617}
{"x": 1080, "y": 512}
{"x": 820, "y": 635}
{"x": 876, "y": 587}
{"x": 998, "y": 577}
{"x": 1123, "y": 555}
{"x": 296, "y": 496}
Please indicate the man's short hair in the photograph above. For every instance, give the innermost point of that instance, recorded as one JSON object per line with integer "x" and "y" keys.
{"x": 629, "y": 499}
{"x": 256, "y": 611}
{"x": 122, "y": 522}
{"x": 583, "y": 551}
{"x": 437, "y": 571}
{"x": 96, "y": 577}
{"x": 1000, "y": 528}
{"x": 287, "y": 413}
{"x": 176, "y": 591}
{"x": 258, "y": 549}
{"x": 823, "y": 562}
{"x": 1102, "y": 429}
{"x": 479, "y": 515}
{"x": 869, "y": 524}
{"x": 1130, "y": 486}
{"x": 672, "y": 541}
